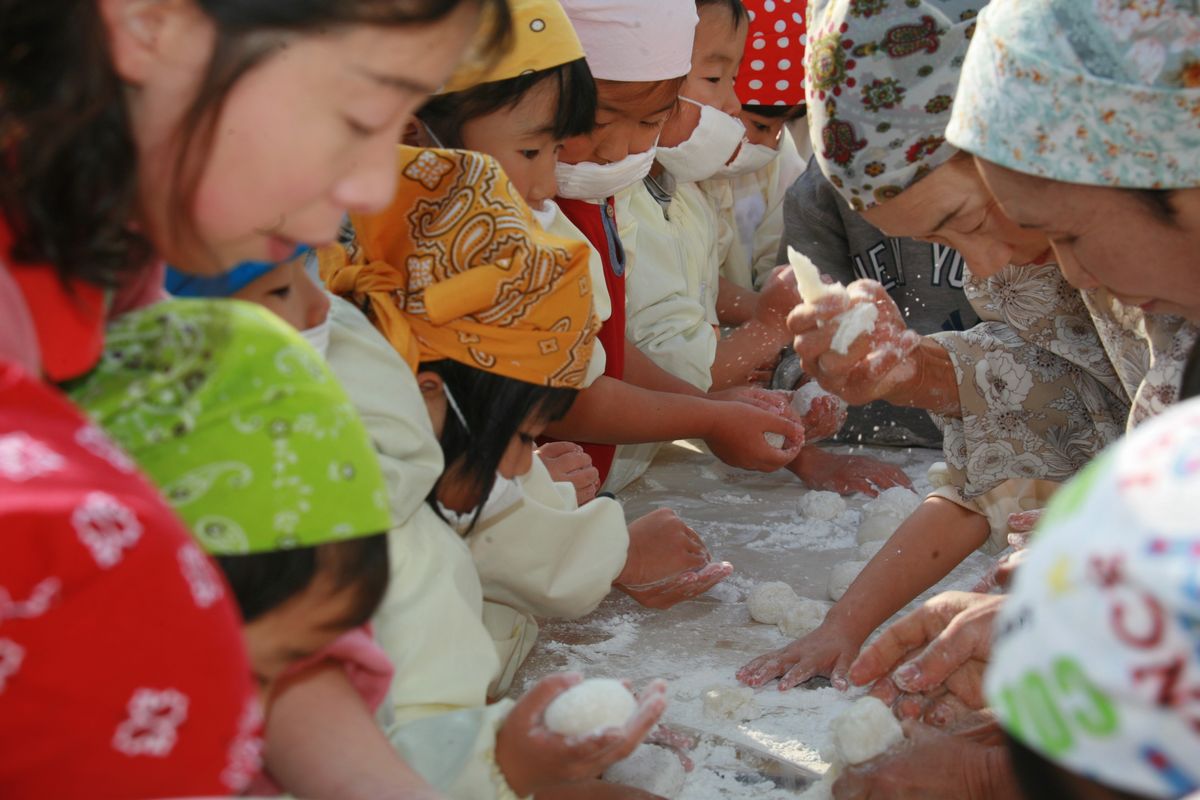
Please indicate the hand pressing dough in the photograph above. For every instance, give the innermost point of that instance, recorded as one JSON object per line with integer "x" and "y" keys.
{"x": 776, "y": 440}
{"x": 851, "y": 324}
{"x": 822, "y": 505}
{"x": 652, "y": 769}
{"x": 867, "y": 730}
{"x": 803, "y": 618}
{"x": 770, "y": 602}
{"x": 731, "y": 702}
{"x": 841, "y": 576}
{"x": 590, "y": 707}
{"x": 883, "y": 515}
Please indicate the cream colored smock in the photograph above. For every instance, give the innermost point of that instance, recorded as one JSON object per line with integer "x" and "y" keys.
{"x": 431, "y": 619}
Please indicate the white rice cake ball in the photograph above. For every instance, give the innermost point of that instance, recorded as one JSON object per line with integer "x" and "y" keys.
{"x": 865, "y": 731}
{"x": 770, "y": 602}
{"x": 652, "y": 769}
{"x": 822, "y": 505}
{"x": 841, "y": 576}
{"x": 938, "y": 474}
{"x": 867, "y": 550}
{"x": 731, "y": 702}
{"x": 803, "y": 619}
{"x": 590, "y": 707}
{"x": 896, "y": 500}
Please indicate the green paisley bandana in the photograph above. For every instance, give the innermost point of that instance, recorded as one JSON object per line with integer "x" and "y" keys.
{"x": 242, "y": 426}
{"x": 881, "y": 76}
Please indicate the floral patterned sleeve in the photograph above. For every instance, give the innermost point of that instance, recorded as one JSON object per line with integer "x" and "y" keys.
{"x": 1038, "y": 394}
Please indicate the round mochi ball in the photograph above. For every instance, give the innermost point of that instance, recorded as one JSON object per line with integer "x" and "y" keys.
{"x": 803, "y": 618}
{"x": 865, "y": 731}
{"x": 652, "y": 769}
{"x": 769, "y": 602}
{"x": 590, "y": 707}
{"x": 841, "y": 576}
{"x": 731, "y": 702}
{"x": 822, "y": 505}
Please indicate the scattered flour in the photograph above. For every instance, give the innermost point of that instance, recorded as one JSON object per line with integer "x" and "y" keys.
{"x": 841, "y": 576}
{"x": 591, "y": 707}
{"x": 851, "y": 324}
{"x": 731, "y": 702}
{"x": 803, "y": 618}
{"x": 867, "y": 730}
{"x": 770, "y": 602}
{"x": 652, "y": 769}
{"x": 822, "y": 505}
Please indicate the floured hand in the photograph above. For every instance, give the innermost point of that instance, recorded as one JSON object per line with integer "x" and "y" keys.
{"x": 832, "y": 472}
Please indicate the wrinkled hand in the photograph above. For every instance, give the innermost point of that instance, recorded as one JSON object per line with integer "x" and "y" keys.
{"x": 821, "y": 470}
{"x": 735, "y": 436}
{"x": 827, "y": 652}
{"x": 933, "y": 765}
{"x": 667, "y": 562}
{"x": 567, "y": 462}
{"x": 532, "y": 756}
{"x": 876, "y": 363}
{"x": 939, "y": 651}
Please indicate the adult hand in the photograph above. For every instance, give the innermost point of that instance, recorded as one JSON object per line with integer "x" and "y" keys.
{"x": 821, "y": 470}
{"x": 941, "y": 648}
{"x": 827, "y": 652}
{"x": 567, "y": 462}
{"x": 875, "y": 364}
{"x": 736, "y": 436}
{"x": 933, "y": 765}
{"x": 533, "y": 757}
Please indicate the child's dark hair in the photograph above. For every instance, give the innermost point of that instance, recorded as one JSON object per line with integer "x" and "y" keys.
{"x": 787, "y": 113}
{"x": 1159, "y": 202}
{"x": 735, "y": 7}
{"x": 575, "y": 105}
{"x": 68, "y": 184}
{"x": 495, "y": 407}
{"x": 1042, "y": 779}
{"x": 262, "y": 582}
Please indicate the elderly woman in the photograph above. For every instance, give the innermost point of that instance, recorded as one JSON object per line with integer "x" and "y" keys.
{"x": 1081, "y": 120}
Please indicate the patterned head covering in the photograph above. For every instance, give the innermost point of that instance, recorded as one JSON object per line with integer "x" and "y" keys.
{"x": 542, "y": 38}
{"x": 457, "y": 268}
{"x": 1094, "y": 663}
{"x": 772, "y": 70}
{"x": 1101, "y": 92}
{"x": 242, "y": 426}
{"x": 881, "y": 80}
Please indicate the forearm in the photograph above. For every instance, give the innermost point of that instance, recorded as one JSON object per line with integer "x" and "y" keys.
{"x": 642, "y": 372}
{"x": 735, "y": 305}
{"x": 616, "y": 412}
{"x": 322, "y": 741}
{"x": 922, "y": 551}
{"x": 743, "y": 351}
{"x": 933, "y": 385}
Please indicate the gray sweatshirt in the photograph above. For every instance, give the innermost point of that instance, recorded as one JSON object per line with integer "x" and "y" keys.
{"x": 924, "y": 279}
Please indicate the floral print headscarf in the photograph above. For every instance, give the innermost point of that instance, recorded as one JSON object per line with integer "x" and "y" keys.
{"x": 881, "y": 81}
{"x": 1098, "y": 92}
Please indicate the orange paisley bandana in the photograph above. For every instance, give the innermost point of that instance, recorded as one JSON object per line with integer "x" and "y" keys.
{"x": 457, "y": 268}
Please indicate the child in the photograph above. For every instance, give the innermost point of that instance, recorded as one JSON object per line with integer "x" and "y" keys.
{"x": 639, "y": 54}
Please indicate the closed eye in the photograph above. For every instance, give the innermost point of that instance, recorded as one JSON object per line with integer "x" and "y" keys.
{"x": 282, "y": 292}
{"x": 530, "y": 154}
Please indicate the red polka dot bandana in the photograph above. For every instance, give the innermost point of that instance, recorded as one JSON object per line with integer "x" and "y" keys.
{"x": 772, "y": 70}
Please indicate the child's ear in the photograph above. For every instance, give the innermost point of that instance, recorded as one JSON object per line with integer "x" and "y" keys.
{"x": 142, "y": 32}
{"x": 415, "y": 135}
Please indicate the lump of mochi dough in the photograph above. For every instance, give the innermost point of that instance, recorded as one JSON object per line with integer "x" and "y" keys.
{"x": 769, "y": 602}
{"x": 938, "y": 474}
{"x": 867, "y": 550}
{"x": 803, "y": 618}
{"x": 881, "y": 516}
{"x": 865, "y": 731}
{"x": 590, "y": 707}
{"x": 652, "y": 769}
{"x": 731, "y": 702}
{"x": 822, "y": 505}
{"x": 776, "y": 440}
{"x": 841, "y": 576}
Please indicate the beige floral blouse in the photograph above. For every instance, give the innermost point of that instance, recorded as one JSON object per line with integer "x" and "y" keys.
{"x": 1052, "y": 375}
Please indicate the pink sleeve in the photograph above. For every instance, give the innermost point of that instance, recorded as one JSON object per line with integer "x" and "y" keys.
{"x": 367, "y": 666}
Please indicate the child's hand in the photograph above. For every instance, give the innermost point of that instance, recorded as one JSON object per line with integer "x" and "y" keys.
{"x": 667, "y": 562}
{"x": 533, "y": 757}
{"x": 735, "y": 436}
{"x": 826, "y": 652}
{"x": 684, "y": 586}
{"x": 826, "y": 416}
{"x": 778, "y": 297}
{"x": 831, "y": 472}
{"x": 567, "y": 462}
{"x": 874, "y": 364}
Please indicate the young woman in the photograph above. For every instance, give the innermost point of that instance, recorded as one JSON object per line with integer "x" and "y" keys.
{"x": 142, "y": 131}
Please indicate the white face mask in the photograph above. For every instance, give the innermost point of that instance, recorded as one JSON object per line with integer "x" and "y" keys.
{"x": 750, "y": 158}
{"x": 546, "y": 214}
{"x": 318, "y": 336}
{"x": 705, "y": 152}
{"x": 591, "y": 181}
{"x": 504, "y": 495}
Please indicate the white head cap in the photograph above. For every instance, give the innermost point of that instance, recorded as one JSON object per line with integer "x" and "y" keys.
{"x": 635, "y": 40}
